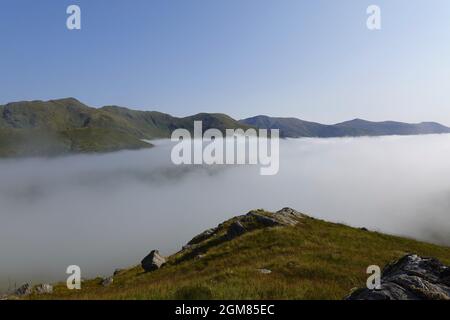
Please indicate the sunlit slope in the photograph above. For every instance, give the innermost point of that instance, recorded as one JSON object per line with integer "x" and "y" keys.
{"x": 311, "y": 259}
{"x": 64, "y": 126}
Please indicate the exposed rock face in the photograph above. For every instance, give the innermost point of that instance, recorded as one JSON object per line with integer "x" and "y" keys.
{"x": 202, "y": 236}
{"x": 44, "y": 288}
{"x": 24, "y": 290}
{"x": 153, "y": 261}
{"x": 283, "y": 217}
{"x": 235, "y": 230}
{"x": 235, "y": 227}
{"x": 410, "y": 278}
{"x": 107, "y": 281}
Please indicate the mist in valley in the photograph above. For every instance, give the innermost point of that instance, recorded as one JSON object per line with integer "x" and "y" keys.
{"x": 103, "y": 212}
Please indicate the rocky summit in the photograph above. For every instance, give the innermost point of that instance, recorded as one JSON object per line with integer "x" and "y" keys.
{"x": 410, "y": 278}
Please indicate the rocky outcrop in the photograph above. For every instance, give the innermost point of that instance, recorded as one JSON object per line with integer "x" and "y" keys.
{"x": 283, "y": 217}
{"x": 235, "y": 230}
{"x": 235, "y": 227}
{"x": 44, "y": 288}
{"x": 410, "y": 278}
{"x": 202, "y": 236}
{"x": 24, "y": 290}
{"x": 153, "y": 261}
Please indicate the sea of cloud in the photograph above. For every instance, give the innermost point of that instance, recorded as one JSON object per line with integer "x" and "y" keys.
{"x": 103, "y": 212}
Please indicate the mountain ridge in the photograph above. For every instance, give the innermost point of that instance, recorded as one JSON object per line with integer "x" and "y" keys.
{"x": 66, "y": 126}
{"x": 295, "y": 128}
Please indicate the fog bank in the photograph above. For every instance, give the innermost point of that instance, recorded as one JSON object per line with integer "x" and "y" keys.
{"x": 103, "y": 212}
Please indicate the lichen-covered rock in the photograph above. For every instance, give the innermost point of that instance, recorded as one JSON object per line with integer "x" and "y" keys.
{"x": 410, "y": 278}
{"x": 44, "y": 288}
{"x": 153, "y": 261}
{"x": 283, "y": 217}
{"x": 235, "y": 230}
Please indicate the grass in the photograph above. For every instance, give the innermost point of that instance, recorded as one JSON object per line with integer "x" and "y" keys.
{"x": 312, "y": 260}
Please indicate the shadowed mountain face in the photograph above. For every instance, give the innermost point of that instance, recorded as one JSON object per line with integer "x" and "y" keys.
{"x": 46, "y": 128}
{"x": 296, "y": 128}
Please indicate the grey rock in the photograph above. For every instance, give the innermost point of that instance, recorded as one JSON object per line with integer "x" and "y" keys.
{"x": 289, "y": 216}
{"x": 153, "y": 261}
{"x": 283, "y": 217}
{"x": 107, "y": 281}
{"x": 201, "y": 237}
{"x": 410, "y": 278}
{"x": 44, "y": 288}
{"x": 235, "y": 230}
{"x": 24, "y": 290}
{"x": 264, "y": 220}
{"x": 265, "y": 271}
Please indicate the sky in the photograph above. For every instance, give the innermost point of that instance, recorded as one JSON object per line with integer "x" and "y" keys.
{"x": 315, "y": 60}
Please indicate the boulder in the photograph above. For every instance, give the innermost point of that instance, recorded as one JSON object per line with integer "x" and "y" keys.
{"x": 24, "y": 290}
{"x": 44, "y": 288}
{"x": 410, "y": 278}
{"x": 153, "y": 261}
{"x": 235, "y": 230}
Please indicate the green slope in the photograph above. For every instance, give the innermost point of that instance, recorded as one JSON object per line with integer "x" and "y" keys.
{"x": 311, "y": 260}
{"x": 46, "y": 128}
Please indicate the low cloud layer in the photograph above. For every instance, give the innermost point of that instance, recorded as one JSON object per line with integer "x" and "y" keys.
{"x": 103, "y": 212}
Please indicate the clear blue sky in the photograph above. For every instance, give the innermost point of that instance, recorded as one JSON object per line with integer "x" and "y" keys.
{"x": 314, "y": 60}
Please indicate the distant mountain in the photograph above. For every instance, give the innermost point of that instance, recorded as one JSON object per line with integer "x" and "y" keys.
{"x": 64, "y": 126}
{"x": 393, "y": 128}
{"x": 296, "y": 128}
{"x": 35, "y": 128}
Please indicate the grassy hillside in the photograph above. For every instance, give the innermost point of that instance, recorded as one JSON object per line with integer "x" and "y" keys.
{"x": 313, "y": 259}
{"x": 33, "y": 128}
